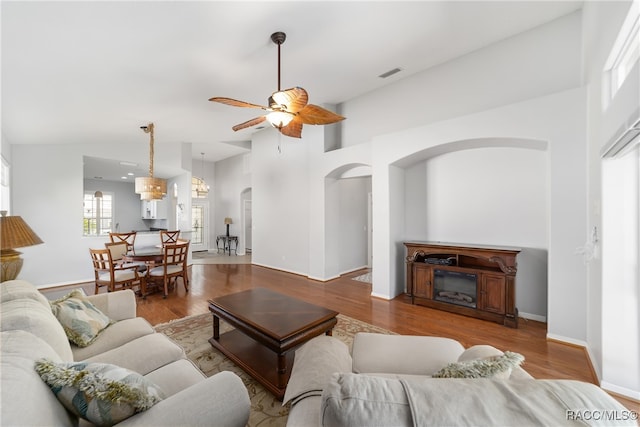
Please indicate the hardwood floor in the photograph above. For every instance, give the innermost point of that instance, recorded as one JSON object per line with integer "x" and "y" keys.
{"x": 543, "y": 358}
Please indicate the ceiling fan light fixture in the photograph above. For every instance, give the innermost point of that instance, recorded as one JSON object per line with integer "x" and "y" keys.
{"x": 279, "y": 119}
{"x": 284, "y": 106}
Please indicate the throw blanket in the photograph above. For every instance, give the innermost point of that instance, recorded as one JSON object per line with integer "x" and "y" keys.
{"x": 521, "y": 403}
{"x": 362, "y": 400}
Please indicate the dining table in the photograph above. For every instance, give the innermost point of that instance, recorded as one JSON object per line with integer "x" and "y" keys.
{"x": 150, "y": 255}
{"x": 147, "y": 254}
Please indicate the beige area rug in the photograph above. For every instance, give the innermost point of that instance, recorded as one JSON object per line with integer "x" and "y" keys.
{"x": 215, "y": 257}
{"x": 193, "y": 333}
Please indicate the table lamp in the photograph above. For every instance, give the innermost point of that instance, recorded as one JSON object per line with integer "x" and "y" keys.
{"x": 228, "y": 221}
{"x": 14, "y": 233}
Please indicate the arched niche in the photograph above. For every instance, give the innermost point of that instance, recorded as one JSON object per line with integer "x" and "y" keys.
{"x": 491, "y": 191}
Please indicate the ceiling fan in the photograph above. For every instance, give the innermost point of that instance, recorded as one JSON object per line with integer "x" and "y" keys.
{"x": 288, "y": 109}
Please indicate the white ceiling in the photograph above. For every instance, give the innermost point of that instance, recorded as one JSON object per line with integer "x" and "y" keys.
{"x": 94, "y": 72}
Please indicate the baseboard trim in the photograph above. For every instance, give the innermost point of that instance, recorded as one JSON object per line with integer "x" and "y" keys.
{"x": 318, "y": 279}
{"x": 580, "y": 345}
{"x": 381, "y": 296}
{"x": 623, "y": 392}
{"x": 535, "y": 317}
{"x": 297, "y": 273}
{"x": 352, "y": 270}
{"x": 567, "y": 341}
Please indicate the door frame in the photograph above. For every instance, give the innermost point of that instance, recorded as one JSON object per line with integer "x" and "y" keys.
{"x": 207, "y": 232}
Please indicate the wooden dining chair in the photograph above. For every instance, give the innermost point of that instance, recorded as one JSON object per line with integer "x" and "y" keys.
{"x": 169, "y": 237}
{"x": 174, "y": 265}
{"x": 113, "y": 275}
{"x": 129, "y": 238}
{"x": 119, "y": 250}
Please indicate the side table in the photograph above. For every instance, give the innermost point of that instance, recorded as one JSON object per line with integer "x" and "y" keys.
{"x": 226, "y": 243}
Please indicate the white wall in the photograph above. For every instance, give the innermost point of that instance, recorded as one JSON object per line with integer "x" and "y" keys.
{"x": 497, "y": 195}
{"x": 5, "y": 192}
{"x": 329, "y": 255}
{"x": 613, "y": 332}
{"x": 557, "y": 120}
{"x": 541, "y": 61}
{"x": 232, "y": 177}
{"x": 280, "y": 192}
{"x": 53, "y": 208}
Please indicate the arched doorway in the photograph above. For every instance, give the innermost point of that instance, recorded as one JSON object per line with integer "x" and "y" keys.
{"x": 246, "y": 218}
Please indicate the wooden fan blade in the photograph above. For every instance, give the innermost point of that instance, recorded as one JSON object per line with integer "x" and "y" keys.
{"x": 293, "y": 129}
{"x": 314, "y": 115}
{"x": 294, "y": 99}
{"x": 236, "y": 103}
{"x": 249, "y": 123}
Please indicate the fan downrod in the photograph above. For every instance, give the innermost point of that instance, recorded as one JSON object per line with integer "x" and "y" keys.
{"x": 278, "y": 37}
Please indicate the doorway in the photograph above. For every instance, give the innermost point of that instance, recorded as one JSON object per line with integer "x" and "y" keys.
{"x": 247, "y": 223}
{"x": 369, "y": 230}
{"x": 200, "y": 226}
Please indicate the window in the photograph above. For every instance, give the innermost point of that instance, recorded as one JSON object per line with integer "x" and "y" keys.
{"x": 5, "y": 195}
{"x": 625, "y": 52}
{"x": 97, "y": 214}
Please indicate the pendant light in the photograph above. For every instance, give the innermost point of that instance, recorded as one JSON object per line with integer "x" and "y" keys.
{"x": 150, "y": 188}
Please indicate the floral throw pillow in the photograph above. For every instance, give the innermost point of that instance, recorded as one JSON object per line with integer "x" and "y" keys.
{"x": 481, "y": 368}
{"x": 81, "y": 320}
{"x": 101, "y": 393}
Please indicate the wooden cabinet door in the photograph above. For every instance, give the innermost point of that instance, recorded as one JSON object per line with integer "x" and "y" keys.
{"x": 492, "y": 293}
{"x": 422, "y": 281}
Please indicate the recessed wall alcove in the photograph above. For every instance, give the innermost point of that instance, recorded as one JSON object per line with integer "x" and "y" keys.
{"x": 484, "y": 191}
{"x": 347, "y": 191}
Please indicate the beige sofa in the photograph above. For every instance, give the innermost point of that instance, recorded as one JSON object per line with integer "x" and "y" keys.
{"x": 30, "y": 332}
{"x": 387, "y": 380}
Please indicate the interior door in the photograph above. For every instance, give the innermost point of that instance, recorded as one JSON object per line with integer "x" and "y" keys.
{"x": 199, "y": 226}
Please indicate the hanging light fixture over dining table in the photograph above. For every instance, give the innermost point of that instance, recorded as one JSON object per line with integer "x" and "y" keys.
{"x": 150, "y": 188}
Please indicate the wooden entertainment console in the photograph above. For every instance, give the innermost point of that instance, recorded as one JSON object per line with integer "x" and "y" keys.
{"x": 437, "y": 274}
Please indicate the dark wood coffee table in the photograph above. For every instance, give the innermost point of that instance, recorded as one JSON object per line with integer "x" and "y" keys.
{"x": 268, "y": 325}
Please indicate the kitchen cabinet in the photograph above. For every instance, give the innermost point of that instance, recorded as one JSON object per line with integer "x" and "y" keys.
{"x": 154, "y": 209}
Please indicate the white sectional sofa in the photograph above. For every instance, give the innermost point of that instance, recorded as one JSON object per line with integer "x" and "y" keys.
{"x": 31, "y": 332}
{"x": 387, "y": 380}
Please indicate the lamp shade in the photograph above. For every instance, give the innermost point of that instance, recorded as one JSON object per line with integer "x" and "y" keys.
{"x": 228, "y": 220}
{"x": 279, "y": 119}
{"x": 150, "y": 188}
{"x": 16, "y": 233}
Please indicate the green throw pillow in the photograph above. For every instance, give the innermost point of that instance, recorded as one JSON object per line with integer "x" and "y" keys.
{"x": 481, "y": 368}
{"x": 81, "y": 320}
{"x": 98, "y": 392}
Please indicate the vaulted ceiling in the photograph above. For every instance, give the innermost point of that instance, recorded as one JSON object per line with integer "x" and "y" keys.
{"x": 94, "y": 72}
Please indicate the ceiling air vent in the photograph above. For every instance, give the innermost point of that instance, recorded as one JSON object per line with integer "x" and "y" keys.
{"x": 390, "y": 73}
